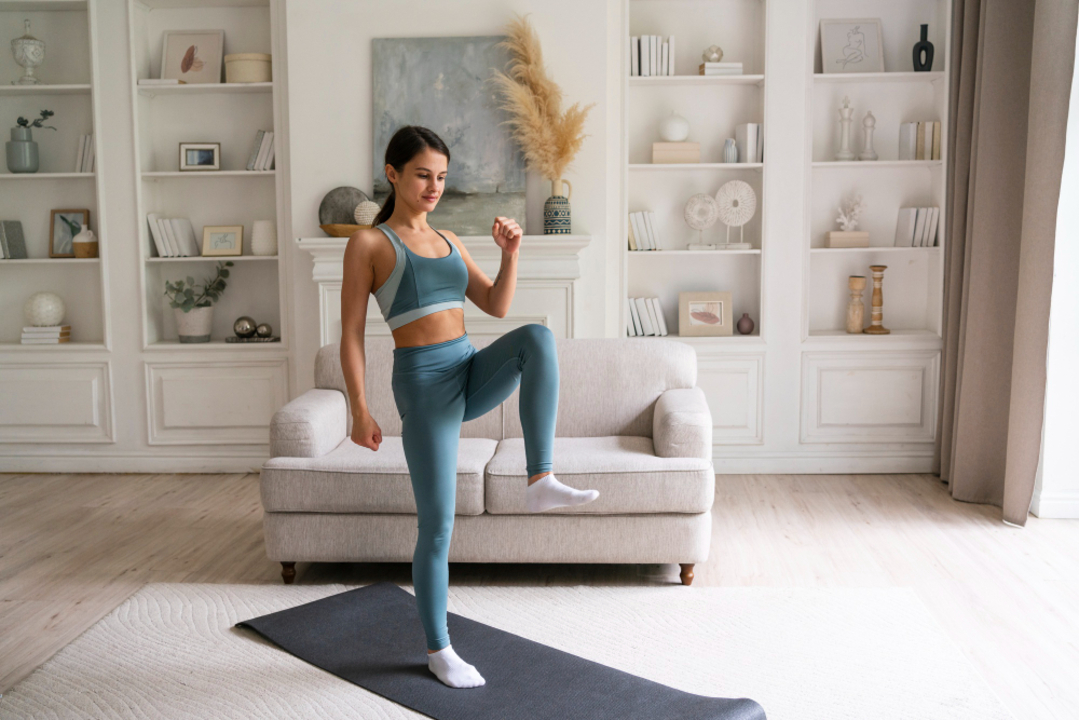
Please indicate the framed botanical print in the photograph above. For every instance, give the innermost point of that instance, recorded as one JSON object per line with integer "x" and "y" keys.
{"x": 222, "y": 240}
{"x": 63, "y": 226}
{"x": 192, "y": 56}
{"x": 705, "y": 313}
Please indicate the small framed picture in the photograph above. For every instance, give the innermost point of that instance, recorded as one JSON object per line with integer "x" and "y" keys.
{"x": 851, "y": 45}
{"x": 63, "y": 226}
{"x": 192, "y": 56}
{"x": 705, "y": 313}
{"x": 223, "y": 240}
{"x": 200, "y": 156}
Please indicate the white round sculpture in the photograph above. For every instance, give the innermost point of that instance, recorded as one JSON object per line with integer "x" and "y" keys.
{"x": 365, "y": 212}
{"x": 737, "y": 204}
{"x": 701, "y": 212}
{"x": 675, "y": 128}
{"x": 43, "y": 309}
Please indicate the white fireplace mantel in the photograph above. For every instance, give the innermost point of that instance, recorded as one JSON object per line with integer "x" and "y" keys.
{"x": 545, "y": 262}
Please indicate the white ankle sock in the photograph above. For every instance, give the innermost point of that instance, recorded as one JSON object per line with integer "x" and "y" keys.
{"x": 548, "y": 492}
{"x": 448, "y": 667}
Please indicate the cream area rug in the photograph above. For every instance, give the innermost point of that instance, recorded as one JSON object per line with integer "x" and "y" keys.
{"x": 170, "y": 651}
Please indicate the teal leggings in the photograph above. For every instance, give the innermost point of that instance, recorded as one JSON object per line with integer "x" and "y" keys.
{"x": 436, "y": 388}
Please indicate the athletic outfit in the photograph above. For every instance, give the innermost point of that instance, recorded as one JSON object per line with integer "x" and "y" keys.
{"x": 437, "y": 387}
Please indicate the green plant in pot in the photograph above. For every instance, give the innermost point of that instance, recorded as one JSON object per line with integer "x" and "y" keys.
{"x": 22, "y": 155}
{"x": 193, "y": 307}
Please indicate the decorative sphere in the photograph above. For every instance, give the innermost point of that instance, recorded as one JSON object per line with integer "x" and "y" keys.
{"x": 244, "y": 326}
{"x": 264, "y": 330}
{"x": 737, "y": 202}
{"x": 365, "y": 212}
{"x": 713, "y": 53}
{"x": 43, "y": 309}
{"x": 674, "y": 129}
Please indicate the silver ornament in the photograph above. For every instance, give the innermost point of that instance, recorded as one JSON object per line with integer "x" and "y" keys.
{"x": 244, "y": 326}
{"x": 264, "y": 330}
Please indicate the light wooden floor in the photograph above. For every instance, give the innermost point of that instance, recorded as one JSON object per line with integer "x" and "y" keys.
{"x": 72, "y": 547}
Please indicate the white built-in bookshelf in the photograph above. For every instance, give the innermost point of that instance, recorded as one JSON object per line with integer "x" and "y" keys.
{"x": 225, "y": 113}
{"x": 69, "y": 82}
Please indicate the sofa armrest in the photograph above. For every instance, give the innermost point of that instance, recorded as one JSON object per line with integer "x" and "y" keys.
{"x": 310, "y": 426}
{"x": 682, "y": 424}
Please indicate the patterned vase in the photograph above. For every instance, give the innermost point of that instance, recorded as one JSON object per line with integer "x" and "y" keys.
{"x": 556, "y": 218}
{"x": 730, "y": 151}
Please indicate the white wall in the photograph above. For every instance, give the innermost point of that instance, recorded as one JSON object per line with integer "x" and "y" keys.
{"x": 329, "y": 79}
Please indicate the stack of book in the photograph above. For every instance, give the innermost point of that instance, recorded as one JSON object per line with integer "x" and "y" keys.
{"x": 643, "y": 231}
{"x": 917, "y": 227}
{"x": 12, "y": 243}
{"x": 262, "y": 155}
{"x": 720, "y": 68}
{"x": 644, "y": 316}
{"x": 173, "y": 237}
{"x": 749, "y": 137}
{"x": 86, "y": 160}
{"x": 46, "y": 335}
{"x": 651, "y": 55}
{"x": 919, "y": 140}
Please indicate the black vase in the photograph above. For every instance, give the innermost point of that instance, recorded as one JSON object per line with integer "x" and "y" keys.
{"x": 925, "y": 46}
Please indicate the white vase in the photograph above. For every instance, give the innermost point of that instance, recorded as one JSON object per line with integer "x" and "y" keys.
{"x": 84, "y": 245}
{"x": 194, "y": 325}
{"x": 263, "y": 238}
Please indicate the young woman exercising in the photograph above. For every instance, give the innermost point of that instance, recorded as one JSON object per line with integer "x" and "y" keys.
{"x": 439, "y": 378}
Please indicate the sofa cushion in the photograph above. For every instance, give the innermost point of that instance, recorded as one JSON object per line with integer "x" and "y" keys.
{"x": 352, "y": 478}
{"x": 624, "y": 468}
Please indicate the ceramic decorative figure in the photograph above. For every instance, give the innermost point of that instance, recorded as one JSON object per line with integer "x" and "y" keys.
{"x": 737, "y": 203}
{"x": 674, "y": 128}
{"x": 263, "y": 238}
{"x": 923, "y": 52}
{"x": 730, "y": 151}
{"x": 868, "y": 124}
{"x": 29, "y": 53}
{"x": 43, "y": 309}
{"x": 701, "y": 213}
{"x": 856, "y": 305}
{"x": 84, "y": 244}
{"x": 745, "y": 324}
{"x": 876, "y": 325}
{"x": 845, "y": 113}
{"x": 556, "y": 210}
{"x": 712, "y": 53}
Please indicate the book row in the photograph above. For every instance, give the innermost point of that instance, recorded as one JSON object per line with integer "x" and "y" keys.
{"x": 645, "y": 317}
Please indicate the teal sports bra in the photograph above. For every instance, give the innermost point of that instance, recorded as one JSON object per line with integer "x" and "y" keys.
{"x": 420, "y": 285}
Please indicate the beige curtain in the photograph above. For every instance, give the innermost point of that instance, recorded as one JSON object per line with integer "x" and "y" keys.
{"x": 1011, "y": 68}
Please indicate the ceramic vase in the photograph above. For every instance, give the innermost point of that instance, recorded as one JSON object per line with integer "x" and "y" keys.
{"x": 263, "y": 238}
{"x": 84, "y": 245}
{"x": 730, "y": 151}
{"x": 194, "y": 325}
{"x": 22, "y": 154}
{"x": 856, "y": 305}
{"x": 923, "y": 52}
{"x": 556, "y": 216}
{"x": 745, "y": 324}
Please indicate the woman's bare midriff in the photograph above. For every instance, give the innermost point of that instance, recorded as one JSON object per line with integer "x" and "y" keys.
{"x": 430, "y": 329}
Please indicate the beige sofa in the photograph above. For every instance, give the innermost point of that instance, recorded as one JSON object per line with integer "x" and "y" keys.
{"x": 631, "y": 424}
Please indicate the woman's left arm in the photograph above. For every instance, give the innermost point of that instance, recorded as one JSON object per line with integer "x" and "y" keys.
{"x": 494, "y": 297}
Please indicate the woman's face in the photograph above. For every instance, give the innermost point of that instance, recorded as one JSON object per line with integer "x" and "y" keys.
{"x": 421, "y": 181}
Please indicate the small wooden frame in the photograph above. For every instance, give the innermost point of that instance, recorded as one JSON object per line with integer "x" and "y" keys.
{"x": 707, "y": 313}
{"x": 60, "y": 234}
{"x": 223, "y": 240}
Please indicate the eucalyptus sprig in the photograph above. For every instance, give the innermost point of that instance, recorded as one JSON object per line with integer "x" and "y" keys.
{"x": 183, "y": 294}
{"x": 45, "y": 115}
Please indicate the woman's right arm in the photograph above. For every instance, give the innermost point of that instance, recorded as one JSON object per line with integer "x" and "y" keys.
{"x": 356, "y": 284}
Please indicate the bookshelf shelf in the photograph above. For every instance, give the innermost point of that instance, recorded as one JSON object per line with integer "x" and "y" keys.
{"x": 164, "y": 174}
{"x": 695, "y": 80}
{"x": 50, "y": 261}
{"x": 693, "y": 167}
{"x": 51, "y": 347}
{"x": 213, "y": 259}
{"x": 48, "y": 176}
{"x": 879, "y": 77}
{"x": 43, "y": 90}
{"x": 867, "y": 164}
{"x": 885, "y": 248}
{"x": 205, "y": 89}
{"x": 653, "y": 253}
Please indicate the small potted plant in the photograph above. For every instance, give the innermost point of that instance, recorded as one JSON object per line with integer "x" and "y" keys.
{"x": 22, "y": 148}
{"x": 194, "y": 309}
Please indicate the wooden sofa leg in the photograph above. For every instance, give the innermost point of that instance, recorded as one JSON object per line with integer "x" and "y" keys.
{"x": 288, "y": 572}
{"x": 687, "y": 573}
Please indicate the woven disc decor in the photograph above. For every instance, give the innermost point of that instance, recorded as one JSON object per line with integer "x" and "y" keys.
{"x": 737, "y": 203}
{"x": 701, "y": 211}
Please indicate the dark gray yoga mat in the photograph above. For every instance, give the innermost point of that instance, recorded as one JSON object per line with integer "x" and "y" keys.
{"x": 371, "y": 636}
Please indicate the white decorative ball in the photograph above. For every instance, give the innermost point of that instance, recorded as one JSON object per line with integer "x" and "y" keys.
{"x": 701, "y": 211}
{"x": 365, "y": 212}
{"x": 43, "y": 309}
{"x": 737, "y": 203}
{"x": 712, "y": 53}
{"x": 674, "y": 129}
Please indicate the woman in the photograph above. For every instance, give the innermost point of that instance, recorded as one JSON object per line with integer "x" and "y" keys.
{"x": 439, "y": 379}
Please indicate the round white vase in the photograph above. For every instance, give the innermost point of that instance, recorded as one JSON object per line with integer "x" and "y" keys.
{"x": 263, "y": 238}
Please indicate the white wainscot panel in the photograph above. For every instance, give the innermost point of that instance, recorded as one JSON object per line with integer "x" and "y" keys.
{"x": 888, "y": 397}
{"x": 62, "y": 403}
{"x": 214, "y": 403}
{"x": 732, "y": 385}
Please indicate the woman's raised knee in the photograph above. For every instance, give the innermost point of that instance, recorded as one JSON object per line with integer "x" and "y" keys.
{"x": 538, "y": 336}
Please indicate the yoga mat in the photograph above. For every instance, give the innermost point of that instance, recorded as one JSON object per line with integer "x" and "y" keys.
{"x": 371, "y": 636}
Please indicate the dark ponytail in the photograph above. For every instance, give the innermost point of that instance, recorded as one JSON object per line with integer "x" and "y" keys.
{"x": 403, "y": 146}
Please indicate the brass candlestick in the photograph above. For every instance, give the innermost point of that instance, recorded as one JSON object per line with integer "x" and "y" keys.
{"x": 876, "y": 326}
{"x": 856, "y": 306}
